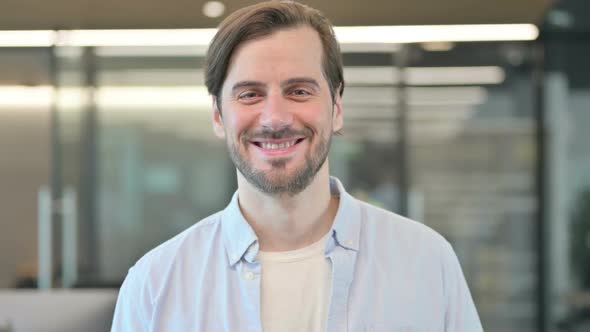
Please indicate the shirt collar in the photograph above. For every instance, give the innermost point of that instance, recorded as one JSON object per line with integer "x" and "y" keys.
{"x": 238, "y": 235}
{"x": 347, "y": 223}
{"x": 240, "y": 239}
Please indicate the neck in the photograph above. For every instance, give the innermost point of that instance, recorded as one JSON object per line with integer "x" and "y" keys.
{"x": 285, "y": 222}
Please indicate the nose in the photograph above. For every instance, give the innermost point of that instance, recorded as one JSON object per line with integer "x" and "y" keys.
{"x": 276, "y": 113}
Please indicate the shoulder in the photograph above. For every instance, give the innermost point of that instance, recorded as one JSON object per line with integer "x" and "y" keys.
{"x": 197, "y": 240}
{"x": 401, "y": 244}
{"x": 382, "y": 220}
{"x": 147, "y": 278}
{"x": 400, "y": 233}
{"x": 192, "y": 238}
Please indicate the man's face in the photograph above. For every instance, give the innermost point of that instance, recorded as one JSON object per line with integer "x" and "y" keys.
{"x": 277, "y": 113}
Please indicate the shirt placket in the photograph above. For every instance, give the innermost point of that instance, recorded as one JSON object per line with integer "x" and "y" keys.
{"x": 250, "y": 279}
{"x": 342, "y": 275}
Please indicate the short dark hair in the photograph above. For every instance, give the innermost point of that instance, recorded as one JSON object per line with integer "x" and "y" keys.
{"x": 261, "y": 20}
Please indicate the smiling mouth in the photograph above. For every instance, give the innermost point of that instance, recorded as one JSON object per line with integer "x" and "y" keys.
{"x": 278, "y": 146}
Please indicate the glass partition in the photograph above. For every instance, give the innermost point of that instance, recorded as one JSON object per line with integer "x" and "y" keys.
{"x": 25, "y": 142}
{"x": 473, "y": 158}
{"x": 139, "y": 163}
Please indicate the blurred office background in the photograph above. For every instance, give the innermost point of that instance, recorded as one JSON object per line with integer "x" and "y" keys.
{"x": 106, "y": 148}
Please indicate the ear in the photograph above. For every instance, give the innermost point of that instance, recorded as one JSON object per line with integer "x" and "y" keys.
{"x": 218, "y": 127}
{"x": 337, "y": 118}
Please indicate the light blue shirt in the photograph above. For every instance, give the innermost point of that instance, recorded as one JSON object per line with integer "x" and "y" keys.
{"x": 389, "y": 273}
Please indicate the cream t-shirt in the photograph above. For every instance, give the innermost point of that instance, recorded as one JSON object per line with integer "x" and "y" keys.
{"x": 296, "y": 287}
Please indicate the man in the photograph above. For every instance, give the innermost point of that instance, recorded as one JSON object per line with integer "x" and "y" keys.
{"x": 292, "y": 251}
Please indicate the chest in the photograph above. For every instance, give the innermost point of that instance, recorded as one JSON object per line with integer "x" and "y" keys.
{"x": 361, "y": 297}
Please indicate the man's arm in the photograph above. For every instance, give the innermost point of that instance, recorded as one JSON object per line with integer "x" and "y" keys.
{"x": 133, "y": 309}
{"x": 461, "y": 314}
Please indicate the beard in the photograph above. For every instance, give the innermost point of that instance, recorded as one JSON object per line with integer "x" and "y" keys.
{"x": 278, "y": 181}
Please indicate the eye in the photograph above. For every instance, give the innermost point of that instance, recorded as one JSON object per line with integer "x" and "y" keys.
{"x": 248, "y": 95}
{"x": 300, "y": 93}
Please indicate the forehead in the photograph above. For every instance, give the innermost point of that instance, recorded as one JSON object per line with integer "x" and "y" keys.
{"x": 283, "y": 54}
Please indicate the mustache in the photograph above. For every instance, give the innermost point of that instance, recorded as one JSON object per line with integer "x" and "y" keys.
{"x": 267, "y": 133}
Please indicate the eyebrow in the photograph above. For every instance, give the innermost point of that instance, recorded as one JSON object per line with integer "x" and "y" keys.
{"x": 300, "y": 80}
{"x": 246, "y": 84}
{"x": 291, "y": 81}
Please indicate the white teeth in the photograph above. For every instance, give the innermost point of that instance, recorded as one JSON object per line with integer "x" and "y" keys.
{"x": 272, "y": 146}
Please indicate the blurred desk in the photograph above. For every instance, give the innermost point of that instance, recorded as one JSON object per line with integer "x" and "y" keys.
{"x": 86, "y": 310}
{"x": 579, "y": 300}
{"x": 578, "y": 316}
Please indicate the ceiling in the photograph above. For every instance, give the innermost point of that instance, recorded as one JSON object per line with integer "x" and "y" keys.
{"x": 160, "y": 14}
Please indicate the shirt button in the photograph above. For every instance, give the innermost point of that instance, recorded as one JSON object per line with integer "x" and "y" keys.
{"x": 349, "y": 242}
{"x": 249, "y": 275}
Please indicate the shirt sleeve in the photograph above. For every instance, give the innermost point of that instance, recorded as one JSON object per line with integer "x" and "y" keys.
{"x": 461, "y": 314}
{"x": 133, "y": 309}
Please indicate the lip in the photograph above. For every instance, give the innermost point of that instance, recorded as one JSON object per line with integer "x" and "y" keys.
{"x": 276, "y": 141}
{"x": 277, "y": 152}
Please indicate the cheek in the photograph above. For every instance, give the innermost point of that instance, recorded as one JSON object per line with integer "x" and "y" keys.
{"x": 319, "y": 117}
{"x": 240, "y": 123}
